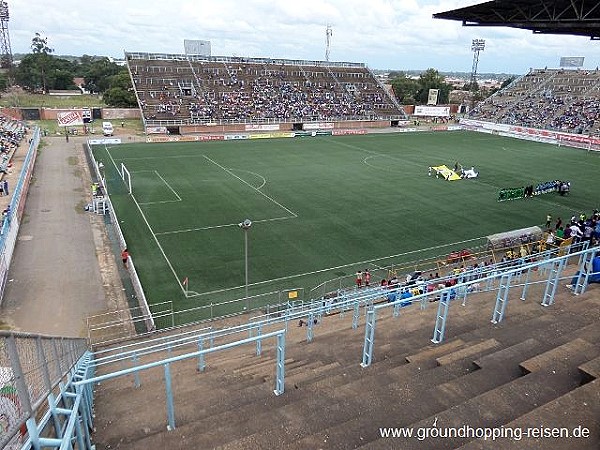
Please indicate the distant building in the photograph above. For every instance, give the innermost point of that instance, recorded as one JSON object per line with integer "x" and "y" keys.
{"x": 196, "y": 47}
{"x": 117, "y": 61}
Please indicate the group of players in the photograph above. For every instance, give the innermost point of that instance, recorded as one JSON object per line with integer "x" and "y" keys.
{"x": 459, "y": 170}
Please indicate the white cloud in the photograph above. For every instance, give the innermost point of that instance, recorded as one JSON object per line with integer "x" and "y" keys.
{"x": 397, "y": 34}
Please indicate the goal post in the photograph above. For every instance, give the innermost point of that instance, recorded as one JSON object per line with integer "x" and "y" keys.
{"x": 126, "y": 176}
{"x": 590, "y": 144}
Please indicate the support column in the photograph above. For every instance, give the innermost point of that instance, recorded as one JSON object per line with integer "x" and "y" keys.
{"x": 309, "y": 327}
{"x": 259, "y": 341}
{"x": 280, "y": 370}
{"x": 201, "y": 362}
{"x": 501, "y": 298}
{"x": 552, "y": 283}
{"x": 442, "y": 315}
{"x": 136, "y": 374}
{"x": 585, "y": 268}
{"x": 170, "y": 405}
{"x": 369, "y": 338}
{"x": 356, "y": 315}
{"x": 526, "y": 285}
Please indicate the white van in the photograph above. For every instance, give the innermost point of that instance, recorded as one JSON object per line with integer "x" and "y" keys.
{"x": 107, "y": 129}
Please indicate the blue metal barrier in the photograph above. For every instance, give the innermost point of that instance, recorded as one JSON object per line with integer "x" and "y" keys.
{"x": 279, "y": 381}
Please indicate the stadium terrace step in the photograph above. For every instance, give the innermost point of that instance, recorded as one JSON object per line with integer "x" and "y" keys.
{"x": 297, "y": 380}
{"x": 197, "y": 403}
{"x": 380, "y": 396}
{"x": 331, "y": 402}
{"x": 494, "y": 370}
{"x": 468, "y": 351}
{"x": 338, "y": 398}
{"x": 537, "y": 324}
{"x": 496, "y": 407}
{"x": 267, "y": 421}
{"x": 590, "y": 333}
{"x": 432, "y": 351}
{"x": 258, "y": 366}
{"x": 581, "y": 405}
{"x": 561, "y": 355}
{"x": 590, "y": 370}
{"x": 514, "y": 352}
{"x": 499, "y": 369}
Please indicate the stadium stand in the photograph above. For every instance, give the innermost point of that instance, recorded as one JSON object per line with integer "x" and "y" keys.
{"x": 553, "y": 99}
{"x": 175, "y": 89}
{"x": 516, "y": 373}
{"x": 536, "y": 370}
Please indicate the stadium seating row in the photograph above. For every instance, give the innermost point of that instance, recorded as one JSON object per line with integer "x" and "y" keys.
{"x": 560, "y": 100}
{"x": 211, "y": 90}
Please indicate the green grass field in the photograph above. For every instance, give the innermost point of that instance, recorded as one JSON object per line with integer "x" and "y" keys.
{"x": 27, "y": 100}
{"x": 323, "y": 207}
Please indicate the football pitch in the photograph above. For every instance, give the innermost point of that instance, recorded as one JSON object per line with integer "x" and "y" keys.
{"x": 323, "y": 207}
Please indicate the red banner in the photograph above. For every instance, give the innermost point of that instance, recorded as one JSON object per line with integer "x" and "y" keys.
{"x": 69, "y": 118}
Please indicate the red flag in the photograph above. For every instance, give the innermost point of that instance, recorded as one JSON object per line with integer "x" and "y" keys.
{"x": 185, "y": 282}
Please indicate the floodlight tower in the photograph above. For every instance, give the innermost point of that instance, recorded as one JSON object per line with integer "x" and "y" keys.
{"x": 328, "y": 34}
{"x": 6, "y": 59}
{"x": 477, "y": 45}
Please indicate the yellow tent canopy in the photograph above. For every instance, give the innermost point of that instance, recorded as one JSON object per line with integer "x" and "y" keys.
{"x": 446, "y": 172}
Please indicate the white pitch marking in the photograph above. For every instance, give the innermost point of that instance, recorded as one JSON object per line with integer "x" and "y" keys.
{"x": 342, "y": 266}
{"x": 151, "y": 231}
{"x": 189, "y": 230}
{"x": 248, "y": 184}
{"x": 253, "y": 173}
{"x": 168, "y": 185}
{"x": 362, "y": 149}
{"x": 385, "y": 169}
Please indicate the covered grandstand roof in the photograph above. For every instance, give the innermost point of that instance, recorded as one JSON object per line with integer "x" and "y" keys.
{"x": 576, "y": 17}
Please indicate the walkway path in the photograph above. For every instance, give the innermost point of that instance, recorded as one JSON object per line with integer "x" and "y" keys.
{"x": 57, "y": 272}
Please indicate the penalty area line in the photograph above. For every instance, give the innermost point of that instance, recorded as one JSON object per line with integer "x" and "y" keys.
{"x": 227, "y": 225}
{"x": 369, "y": 261}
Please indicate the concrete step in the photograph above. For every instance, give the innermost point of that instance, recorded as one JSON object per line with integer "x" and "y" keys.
{"x": 468, "y": 351}
{"x": 432, "y": 351}
{"x": 590, "y": 333}
{"x": 500, "y": 368}
{"x": 330, "y": 402}
{"x": 490, "y": 409}
{"x": 580, "y": 406}
{"x": 369, "y": 398}
{"x": 590, "y": 370}
{"x": 558, "y": 355}
{"x": 512, "y": 353}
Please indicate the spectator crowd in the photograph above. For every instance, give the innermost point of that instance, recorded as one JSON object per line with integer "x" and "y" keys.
{"x": 255, "y": 92}
{"x": 559, "y": 100}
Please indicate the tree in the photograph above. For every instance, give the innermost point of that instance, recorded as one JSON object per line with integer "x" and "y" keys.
{"x": 42, "y": 58}
{"x": 120, "y": 94}
{"x": 405, "y": 88}
{"x": 3, "y": 81}
{"x": 97, "y": 73}
{"x": 431, "y": 79}
{"x": 471, "y": 86}
{"x": 507, "y": 82}
{"x": 27, "y": 73}
{"x": 39, "y": 45}
{"x": 51, "y": 73}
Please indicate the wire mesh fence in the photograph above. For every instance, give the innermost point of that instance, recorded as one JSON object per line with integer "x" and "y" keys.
{"x": 31, "y": 366}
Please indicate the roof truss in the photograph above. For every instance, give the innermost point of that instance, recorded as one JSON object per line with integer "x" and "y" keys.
{"x": 577, "y": 17}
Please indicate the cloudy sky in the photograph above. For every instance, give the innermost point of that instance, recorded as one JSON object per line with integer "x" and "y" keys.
{"x": 385, "y": 34}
